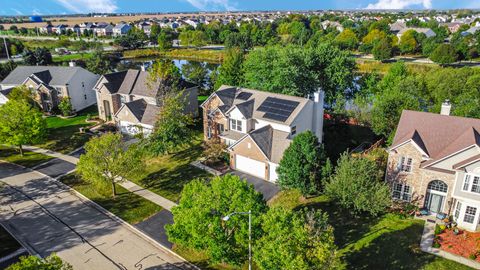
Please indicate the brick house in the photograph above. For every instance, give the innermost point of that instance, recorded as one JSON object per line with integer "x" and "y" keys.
{"x": 258, "y": 126}
{"x": 434, "y": 161}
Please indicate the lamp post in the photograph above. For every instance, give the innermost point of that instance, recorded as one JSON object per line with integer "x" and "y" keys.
{"x": 249, "y": 213}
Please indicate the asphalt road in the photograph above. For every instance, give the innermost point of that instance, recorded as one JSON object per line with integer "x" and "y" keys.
{"x": 48, "y": 217}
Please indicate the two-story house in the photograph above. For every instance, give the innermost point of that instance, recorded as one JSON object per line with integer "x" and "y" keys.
{"x": 131, "y": 100}
{"x": 258, "y": 126}
{"x": 50, "y": 83}
{"x": 434, "y": 162}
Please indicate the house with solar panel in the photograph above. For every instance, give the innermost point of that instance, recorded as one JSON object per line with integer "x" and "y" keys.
{"x": 258, "y": 126}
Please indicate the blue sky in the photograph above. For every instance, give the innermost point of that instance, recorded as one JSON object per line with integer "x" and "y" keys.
{"x": 44, "y": 7}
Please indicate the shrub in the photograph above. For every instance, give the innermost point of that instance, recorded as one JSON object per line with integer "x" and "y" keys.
{"x": 65, "y": 106}
{"x": 438, "y": 229}
{"x": 472, "y": 256}
{"x": 436, "y": 244}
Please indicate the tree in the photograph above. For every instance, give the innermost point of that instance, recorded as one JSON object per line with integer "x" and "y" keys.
{"x": 214, "y": 150}
{"x": 301, "y": 164}
{"x": 65, "y": 106}
{"x": 165, "y": 39}
{"x": 347, "y": 40}
{"x": 195, "y": 72}
{"x": 39, "y": 56}
{"x": 230, "y": 72}
{"x": 357, "y": 186}
{"x": 194, "y": 38}
{"x": 198, "y": 220}
{"x": 108, "y": 160}
{"x": 52, "y": 262}
{"x": 444, "y": 54}
{"x": 171, "y": 131}
{"x": 238, "y": 40}
{"x": 20, "y": 93}
{"x": 134, "y": 39}
{"x": 408, "y": 43}
{"x": 98, "y": 63}
{"x": 382, "y": 50}
{"x": 6, "y": 68}
{"x": 369, "y": 40}
{"x": 21, "y": 123}
{"x": 166, "y": 77}
{"x": 295, "y": 240}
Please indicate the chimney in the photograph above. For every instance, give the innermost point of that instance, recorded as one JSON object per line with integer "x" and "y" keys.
{"x": 72, "y": 64}
{"x": 317, "y": 117}
{"x": 446, "y": 107}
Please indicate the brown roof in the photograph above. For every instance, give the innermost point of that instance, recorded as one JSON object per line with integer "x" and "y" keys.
{"x": 438, "y": 135}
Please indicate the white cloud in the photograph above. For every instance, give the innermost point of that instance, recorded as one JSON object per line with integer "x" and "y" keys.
{"x": 36, "y": 12}
{"x": 86, "y": 6}
{"x": 400, "y": 4}
{"x": 212, "y": 4}
{"x": 18, "y": 12}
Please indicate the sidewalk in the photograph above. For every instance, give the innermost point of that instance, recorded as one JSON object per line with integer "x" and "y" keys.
{"x": 143, "y": 192}
{"x": 427, "y": 241}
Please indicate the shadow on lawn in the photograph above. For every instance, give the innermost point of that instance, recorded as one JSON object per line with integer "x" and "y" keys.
{"x": 66, "y": 139}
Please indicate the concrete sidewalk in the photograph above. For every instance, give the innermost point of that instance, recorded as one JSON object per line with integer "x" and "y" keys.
{"x": 143, "y": 192}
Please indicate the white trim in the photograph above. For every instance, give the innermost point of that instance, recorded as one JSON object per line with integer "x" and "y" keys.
{"x": 414, "y": 144}
{"x": 448, "y": 156}
{"x": 470, "y": 183}
{"x": 243, "y": 138}
{"x": 210, "y": 97}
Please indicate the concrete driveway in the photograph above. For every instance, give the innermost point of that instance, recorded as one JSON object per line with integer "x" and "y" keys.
{"x": 47, "y": 217}
{"x": 268, "y": 189}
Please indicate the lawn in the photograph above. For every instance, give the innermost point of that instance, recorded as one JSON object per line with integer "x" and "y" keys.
{"x": 70, "y": 57}
{"x": 30, "y": 159}
{"x": 166, "y": 175}
{"x": 386, "y": 242}
{"x": 64, "y": 135}
{"x": 9, "y": 244}
{"x": 127, "y": 205}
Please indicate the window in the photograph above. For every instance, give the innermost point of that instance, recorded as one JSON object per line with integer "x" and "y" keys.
{"x": 236, "y": 125}
{"x": 457, "y": 210}
{"x": 294, "y": 130}
{"x": 470, "y": 214}
{"x": 471, "y": 183}
{"x": 438, "y": 185}
{"x": 402, "y": 192}
{"x": 405, "y": 164}
{"x": 221, "y": 128}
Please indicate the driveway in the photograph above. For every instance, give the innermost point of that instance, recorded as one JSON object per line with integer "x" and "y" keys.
{"x": 268, "y": 189}
{"x": 47, "y": 217}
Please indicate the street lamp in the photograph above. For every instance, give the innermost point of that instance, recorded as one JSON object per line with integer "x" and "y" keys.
{"x": 249, "y": 213}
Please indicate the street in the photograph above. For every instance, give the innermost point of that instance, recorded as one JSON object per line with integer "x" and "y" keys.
{"x": 48, "y": 217}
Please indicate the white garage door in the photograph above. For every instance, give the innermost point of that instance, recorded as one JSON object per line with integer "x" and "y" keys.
{"x": 250, "y": 166}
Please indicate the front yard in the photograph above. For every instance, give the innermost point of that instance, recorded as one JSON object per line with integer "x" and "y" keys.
{"x": 386, "y": 242}
{"x": 127, "y": 205}
{"x": 29, "y": 160}
{"x": 64, "y": 133}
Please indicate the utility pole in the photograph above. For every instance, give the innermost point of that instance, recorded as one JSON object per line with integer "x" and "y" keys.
{"x": 6, "y": 48}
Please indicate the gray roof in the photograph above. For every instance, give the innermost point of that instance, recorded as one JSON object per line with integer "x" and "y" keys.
{"x": 272, "y": 142}
{"x": 246, "y": 108}
{"x": 51, "y": 75}
{"x": 144, "y": 112}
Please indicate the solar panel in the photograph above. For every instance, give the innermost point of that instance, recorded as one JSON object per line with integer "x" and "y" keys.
{"x": 277, "y": 109}
{"x": 244, "y": 95}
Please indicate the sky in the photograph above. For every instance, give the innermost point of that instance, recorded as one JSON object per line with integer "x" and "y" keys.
{"x": 48, "y": 7}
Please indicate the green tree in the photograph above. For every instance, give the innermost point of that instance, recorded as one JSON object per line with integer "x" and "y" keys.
{"x": 134, "y": 39}
{"x": 300, "y": 240}
{"x": 98, "y": 63}
{"x": 195, "y": 72}
{"x": 301, "y": 164}
{"x": 238, "y": 40}
{"x": 357, "y": 186}
{"x": 444, "y": 54}
{"x": 6, "y": 68}
{"x": 408, "y": 43}
{"x": 193, "y": 38}
{"x": 382, "y": 50}
{"x": 198, "y": 218}
{"x": 37, "y": 57}
{"x": 231, "y": 72}
{"x": 166, "y": 77}
{"x": 21, "y": 123}
{"x": 65, "y": 106}
{"x": 22, "y": 93}
{"x": 347, "y": 40}
{"x": 165, "y": 39}
{"x": 172, "y": 127}
{"x": 369, "y": 40}
{"x": 108, "y": 160}
{"x": 52, "y": 262}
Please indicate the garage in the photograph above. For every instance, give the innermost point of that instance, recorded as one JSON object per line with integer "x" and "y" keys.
{"x": 273, "y": 172}
{"x": 250, "y": 166}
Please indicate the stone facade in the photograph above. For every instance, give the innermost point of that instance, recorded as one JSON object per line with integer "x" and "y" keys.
{"x": 212, "y": 123}
{"x": 113, "y": 101}
{"x": 419, "y": 178}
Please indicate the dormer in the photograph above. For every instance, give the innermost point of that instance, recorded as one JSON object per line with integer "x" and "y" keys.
{"x": 240, "y": 116}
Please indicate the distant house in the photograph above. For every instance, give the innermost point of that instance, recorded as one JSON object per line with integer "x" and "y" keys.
{"x": 131, "y": 100}
{"x": 332, "y": 24}
{"x": 47, "y": 29}
{"x": 51, "y": 83}
{"x": 76, "y": 29}
{"x": 427, "y": 31}
{"x": 60, "y": 29}
{"x": 258, "y": 126}
{"x": 397, "y": 27}
{"x": 121, "y": 29}
{"x": 453, "y": 27}
{"x": 434, "y": 162}
{"x": 471, "y": 31}
{"x": 103, "y": 29}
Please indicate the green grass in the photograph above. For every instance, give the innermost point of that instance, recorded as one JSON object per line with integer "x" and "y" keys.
{"x": 29, "y": 159}
{"x": 9, "y": 244}
{"x": 386, "y": 242}
{"x": 127, "y": 205}
{"x": 201, "y": 99}
{"x": 166, "y": 175}
{"x": 207, "y": 55}
{"x": 70, "y": 57}
{"x": 64, "y": 135}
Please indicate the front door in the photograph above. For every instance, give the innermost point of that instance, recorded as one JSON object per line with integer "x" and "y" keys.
{"x": 108, "y": 113}
{"x": 435, "y": 202}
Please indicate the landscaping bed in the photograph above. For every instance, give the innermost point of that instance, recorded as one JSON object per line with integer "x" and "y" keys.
{"x": 29, "y": 159}
{"x": 127, "y": 205}
{"x": 465, "y": 244}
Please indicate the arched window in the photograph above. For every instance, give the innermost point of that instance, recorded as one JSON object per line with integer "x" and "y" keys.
{"x": 438, "y": 185}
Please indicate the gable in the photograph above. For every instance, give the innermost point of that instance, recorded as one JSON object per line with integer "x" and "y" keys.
{"x": 248, "y": 148}
{"x": 125, "y": 114}
{"x": 236, "y": 114}
{"x": 30, "y": 83}
{"x": 449, "y": 162}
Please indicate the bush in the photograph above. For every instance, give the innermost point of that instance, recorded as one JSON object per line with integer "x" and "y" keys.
{"x": 472, "y": 256}
{"x": 65, "y": 106}
{"x": 439, "y": 229}
{"x": 436, "y": 244}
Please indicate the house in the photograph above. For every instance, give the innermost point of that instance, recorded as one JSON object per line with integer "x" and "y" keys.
{"x": 427, "y": 31}
{"x": 103, "y": 29}
{"x": 47, "y": 29}
{"x": 131, "y": 100}
{"x": 471, "y": 31}
{"x": 51, "y": 83}
{"x": 60, "y": 29}
{"x": 121, "y": 29}
{"x": 258, "y": 126}
{"x": 453, "y": 27}
{"x": 434, "y": 162}
{"x": 397, "y": 26}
